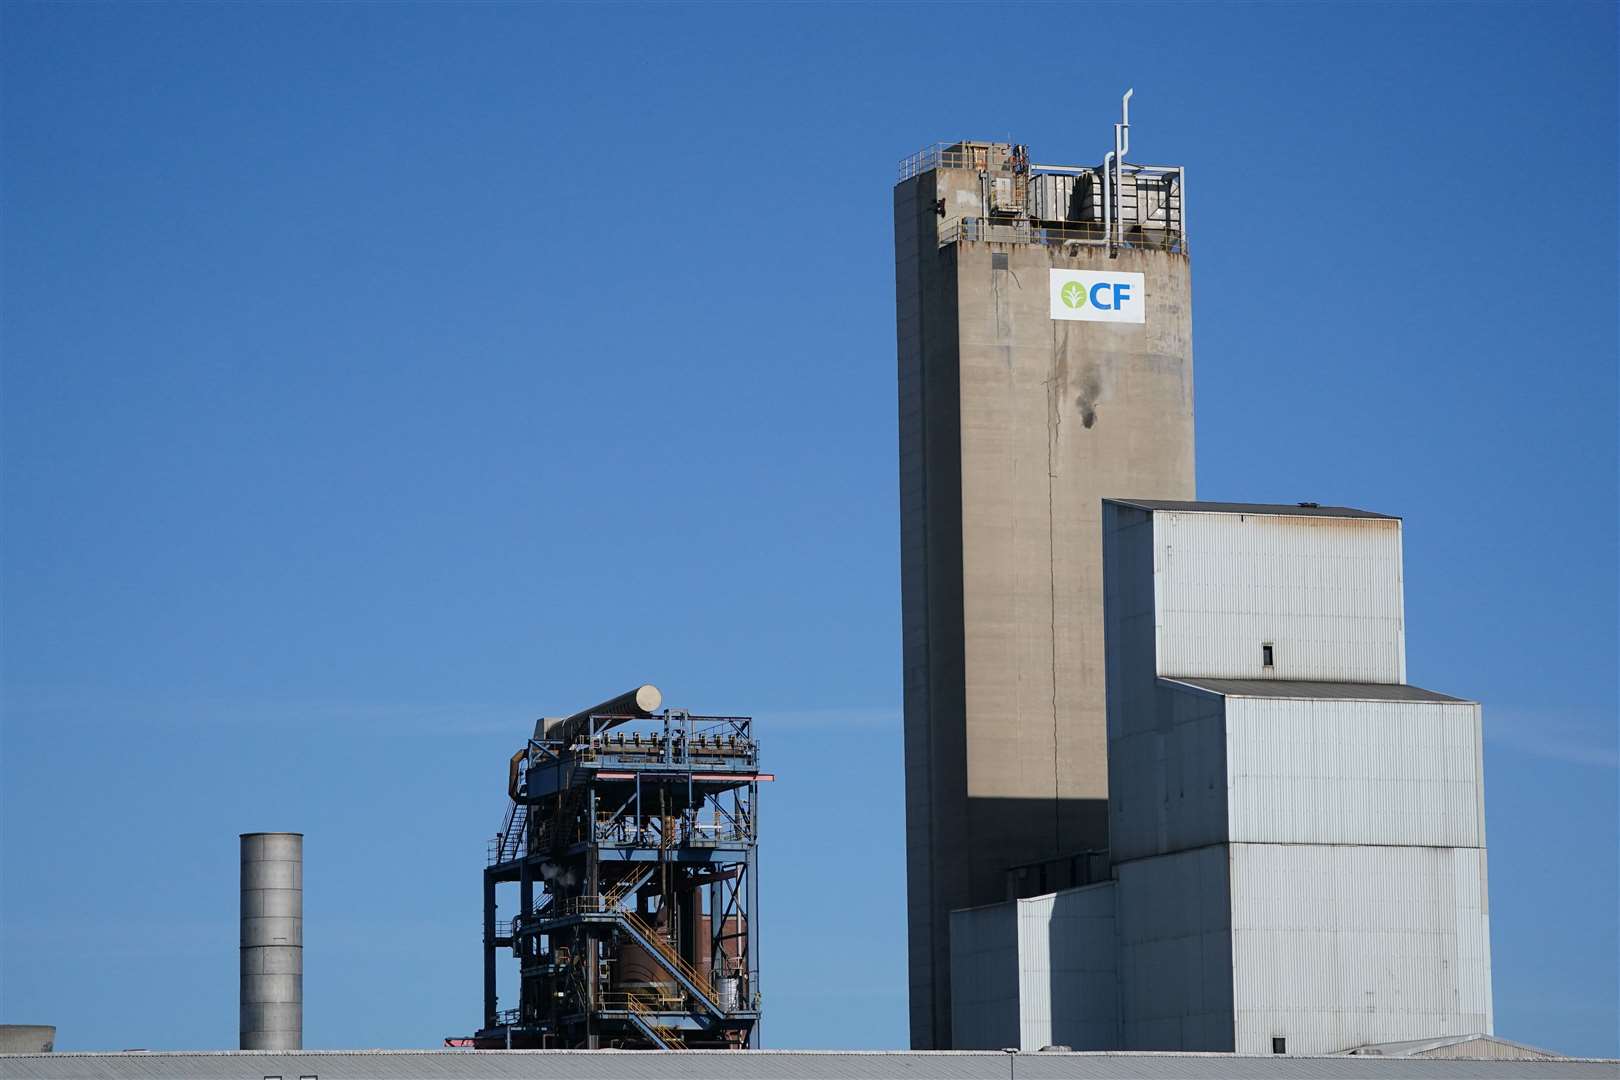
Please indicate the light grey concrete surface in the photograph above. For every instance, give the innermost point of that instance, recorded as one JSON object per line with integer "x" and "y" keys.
{"x": 1013, "y": 427}
{"x": 27, "y": 1038}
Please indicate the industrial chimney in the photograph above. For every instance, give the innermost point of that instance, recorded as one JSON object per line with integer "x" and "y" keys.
{"x": 272, "y": 1001}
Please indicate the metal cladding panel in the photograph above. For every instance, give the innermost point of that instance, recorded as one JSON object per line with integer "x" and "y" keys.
{"x": 1325, "y": 771}
{"x": 984, "y": 977}
{"x": 1336, "y": 946}
{"x": 1129, "y": 619}
{"x": 1168, "y": 782}
{"x": 1068, "y": 972}
{"x": 1324, "y": 592}
{"x": 1175, "y": 941}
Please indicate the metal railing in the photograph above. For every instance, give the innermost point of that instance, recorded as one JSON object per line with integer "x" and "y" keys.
{"x": 942, "y": 155}
{"x": 601, "y": 905}
{"x": 1080, "y": 234}
{"x": 647, "y": 1012}
{"x": 614, "y": 829}
{"x": 508, "y": 843}
{"x": 668, "y": 953}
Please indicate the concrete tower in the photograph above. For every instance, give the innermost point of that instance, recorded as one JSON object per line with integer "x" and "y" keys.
{"x": 272, "y": 997}
{"x": 1045, "y": 362}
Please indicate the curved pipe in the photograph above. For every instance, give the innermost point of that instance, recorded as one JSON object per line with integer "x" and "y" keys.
{"x": 643, "y": 701}
{"x": 1122, "y": 146}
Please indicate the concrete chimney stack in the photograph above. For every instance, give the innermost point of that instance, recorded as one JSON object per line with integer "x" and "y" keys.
{"x": 272, "y": 997}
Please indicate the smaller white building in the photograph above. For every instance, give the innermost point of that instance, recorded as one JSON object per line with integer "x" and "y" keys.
{"x": 1297, "y": 836}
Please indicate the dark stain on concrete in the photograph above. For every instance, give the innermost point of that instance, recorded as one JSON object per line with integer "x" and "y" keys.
{"x": 1090, "y": 392}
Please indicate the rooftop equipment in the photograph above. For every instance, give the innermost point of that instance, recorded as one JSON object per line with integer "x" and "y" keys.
{"x": 632, "y": 837}
{"x": 1117, "y": 205}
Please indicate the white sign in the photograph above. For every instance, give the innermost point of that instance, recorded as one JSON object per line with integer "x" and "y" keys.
{"x": 1098, "y": 296}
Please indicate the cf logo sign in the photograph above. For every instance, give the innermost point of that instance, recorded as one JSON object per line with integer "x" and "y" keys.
{"x": 1103, "y": 295}
{"x": 1097, "y": 296}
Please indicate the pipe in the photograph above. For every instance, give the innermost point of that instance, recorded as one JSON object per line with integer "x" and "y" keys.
{"x": 1117, "y": 236}
{"x": 1181, "y": 178}
{"x": 1108, "y": 198}
{"x": 272, "y": 940}
{"x": 1122, "y": 146}
{"x": 643, "y": 701}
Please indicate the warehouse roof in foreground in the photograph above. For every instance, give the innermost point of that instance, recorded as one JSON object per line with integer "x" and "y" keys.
{"x": 758, "y": 1065}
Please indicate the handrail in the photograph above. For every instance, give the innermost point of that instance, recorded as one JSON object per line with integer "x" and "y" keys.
{"x": 679, "y": 962}
{"x": 683, "y": 970}
{"x": 633, "y": 881}
{"x": 1087, "y": 234}
{"x": 648, "y": 1022}
{"x": 509, "y": 842}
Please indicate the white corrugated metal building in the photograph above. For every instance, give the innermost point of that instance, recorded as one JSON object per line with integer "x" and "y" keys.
{"x": 1296, "y": 835}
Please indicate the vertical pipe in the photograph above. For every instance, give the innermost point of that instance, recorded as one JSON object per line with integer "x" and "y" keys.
{"x": 1181, "y": 180}
{"x": 593, "y": 947}
{"x": 1108, "y": 201}
{"x": 717, "y": 929}
{"x": 491, "y": 1006}
{"x": 1122, "y": 146}
{"x": 272, "y": 940}
{"x": 1119, "y": 193}
{"x": 754, "y": 1033}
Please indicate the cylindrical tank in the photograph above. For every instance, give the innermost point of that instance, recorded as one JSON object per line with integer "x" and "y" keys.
{"x": 640, "y": 974}
{"x": 272, "y": 996}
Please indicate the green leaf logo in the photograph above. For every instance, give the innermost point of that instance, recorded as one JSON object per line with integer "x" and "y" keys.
{"x": 1073, "y": 295}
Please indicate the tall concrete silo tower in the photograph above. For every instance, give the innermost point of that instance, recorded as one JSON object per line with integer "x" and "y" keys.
{"x": 1045, "y": 363}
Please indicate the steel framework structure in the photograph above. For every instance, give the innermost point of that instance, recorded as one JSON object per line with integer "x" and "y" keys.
{"x": 632, "y": 837}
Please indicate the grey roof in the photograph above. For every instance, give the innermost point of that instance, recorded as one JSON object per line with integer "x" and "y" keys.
{"x": 760, "y": 1065}
{"x": 1271, "y": 509}
{"x": 1476, "y": 1046}
{"x": 1293, "y": 688}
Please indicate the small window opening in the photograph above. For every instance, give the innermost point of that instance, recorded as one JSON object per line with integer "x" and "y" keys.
{"x": 1265, "y": 655}
{"x": 998, "y": 260}
{"x": 1279, "y": 1045}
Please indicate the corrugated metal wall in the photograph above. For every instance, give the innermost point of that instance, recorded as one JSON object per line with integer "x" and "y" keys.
{"x": 1326, "y": 592}
{"x": 984, "y": 977}
{"x": 1309, "y": 868}
{"x": 1068, "y": 978}
{"x": 1168, "y": 781}
{"x": 1175, "y": 943}
{"x": 1037, "y": 972}
{"x": 1355, "y": 772}
{"x": 1338, "y": 945}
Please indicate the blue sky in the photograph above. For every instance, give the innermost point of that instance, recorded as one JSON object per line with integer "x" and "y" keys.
{"x": 378, "y": 377}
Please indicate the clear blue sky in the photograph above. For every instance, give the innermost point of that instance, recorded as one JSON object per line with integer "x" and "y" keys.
{"x": 378, "y": 377}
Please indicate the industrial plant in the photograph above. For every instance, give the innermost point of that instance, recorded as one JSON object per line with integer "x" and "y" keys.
{"x": 632, "y": 839}
{"x": 1172, "y": 805}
